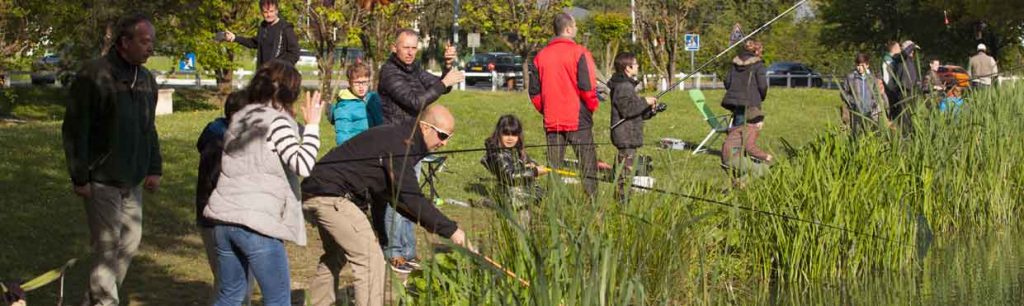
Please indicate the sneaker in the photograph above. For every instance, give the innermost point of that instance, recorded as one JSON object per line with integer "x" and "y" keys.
{"x": 399, "y": 265}
{"x": 413, "y": 262}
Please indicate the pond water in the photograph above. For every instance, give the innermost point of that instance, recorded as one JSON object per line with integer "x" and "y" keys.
{"x": 976, "y": 270}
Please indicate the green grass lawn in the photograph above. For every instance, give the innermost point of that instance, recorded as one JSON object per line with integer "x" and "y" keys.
{"x": 45, "y": 223}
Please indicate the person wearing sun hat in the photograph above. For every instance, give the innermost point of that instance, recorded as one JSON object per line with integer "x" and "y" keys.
{"x": 909, "y": 80}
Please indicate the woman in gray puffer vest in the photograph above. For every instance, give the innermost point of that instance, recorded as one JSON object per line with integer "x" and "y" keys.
{"x": 255, "y": 206}
{"x": 746, "y": 85}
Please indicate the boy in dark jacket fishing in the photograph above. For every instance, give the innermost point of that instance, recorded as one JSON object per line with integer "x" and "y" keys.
{"x": 629, "y": 111}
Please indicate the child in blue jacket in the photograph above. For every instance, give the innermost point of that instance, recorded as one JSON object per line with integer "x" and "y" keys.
{"x": 357, "y": 108}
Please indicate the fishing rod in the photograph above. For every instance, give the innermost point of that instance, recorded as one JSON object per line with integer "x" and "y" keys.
{"x": 713, "y": 59}
{"x": 749, "y": 209}
{"x": 450, "y": 152}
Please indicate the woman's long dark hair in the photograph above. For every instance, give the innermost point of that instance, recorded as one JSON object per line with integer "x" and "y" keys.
{"x": 507, "y": 125}
{"x": 276, "y": 82}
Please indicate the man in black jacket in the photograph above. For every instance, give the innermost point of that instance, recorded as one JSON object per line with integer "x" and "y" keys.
{"x": 112, "y": 151}
{"x": 405, "y": 88}
{"x": 275, "y": 40}
{"x": 370, "y": 171}
{"x": 632, "y": 110}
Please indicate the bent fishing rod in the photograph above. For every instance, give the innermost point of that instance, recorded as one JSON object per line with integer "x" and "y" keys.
{"x": 716, "y": 57}
{"x": 737, "y": 43}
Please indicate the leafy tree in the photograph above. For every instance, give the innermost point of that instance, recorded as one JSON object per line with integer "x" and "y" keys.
{"x": 662, "y": 25}
{"x": 330, "y": 23}
{"x": 868, "y": 24}
{"x": 523, "y": 26}
{"x": 195, "y": 32}
{"x": 382, "y": 23}
{"x": 18, "y": 35}
{"x": 608, "y": 31}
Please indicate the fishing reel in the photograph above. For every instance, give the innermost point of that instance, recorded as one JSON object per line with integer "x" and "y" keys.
{"x": 660, "y": 108}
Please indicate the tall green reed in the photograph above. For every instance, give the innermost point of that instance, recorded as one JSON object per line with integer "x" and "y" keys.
{"x": 887, "y": 191}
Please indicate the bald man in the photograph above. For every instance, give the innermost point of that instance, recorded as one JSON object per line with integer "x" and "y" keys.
{"x": 370, "y": 171}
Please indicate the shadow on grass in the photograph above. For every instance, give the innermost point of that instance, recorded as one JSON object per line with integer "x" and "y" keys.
{"x": 47, "y": 103}
{"x": 33, "y": 102}
{"x": 45, "y": 223}
{"x": 196, "y": 99}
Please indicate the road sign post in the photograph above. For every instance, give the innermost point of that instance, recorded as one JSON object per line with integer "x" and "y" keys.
{"x": 473, "y": 41}
{"x": 692, "y": 44}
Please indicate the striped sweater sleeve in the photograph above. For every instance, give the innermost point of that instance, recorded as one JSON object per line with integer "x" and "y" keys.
{"x": 297, "y": 157}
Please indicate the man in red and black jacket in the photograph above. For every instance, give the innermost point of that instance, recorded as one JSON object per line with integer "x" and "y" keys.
{"x": 563, "y": 88}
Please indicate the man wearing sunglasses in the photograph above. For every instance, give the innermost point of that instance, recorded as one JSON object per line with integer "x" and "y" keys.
{"x": 372, "y": 171}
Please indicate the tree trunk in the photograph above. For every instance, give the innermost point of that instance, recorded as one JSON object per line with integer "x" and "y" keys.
{"x": 671, "y": 66}
{"x": 226, "y": 77}
{"x": 326, "y": 67}
{"x": 526, "y": 71}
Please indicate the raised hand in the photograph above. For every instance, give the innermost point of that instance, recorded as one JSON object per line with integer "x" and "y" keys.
{"x": 312, "y": 109}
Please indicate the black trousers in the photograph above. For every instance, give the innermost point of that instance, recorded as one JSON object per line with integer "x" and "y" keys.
{"x": 624, "y": 174}
{"x": 582, "y": 142}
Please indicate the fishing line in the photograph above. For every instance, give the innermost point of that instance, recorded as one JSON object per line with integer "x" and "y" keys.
{"x": 651, "y": 189}
{"x": 713, "y": 59}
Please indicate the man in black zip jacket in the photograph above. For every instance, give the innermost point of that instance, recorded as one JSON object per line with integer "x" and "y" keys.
{"x": 113, "y": 151}
{"x": 275, "y": 40}
{"x": 370, "y": 171}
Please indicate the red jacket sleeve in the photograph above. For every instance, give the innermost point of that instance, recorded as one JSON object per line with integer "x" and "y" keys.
{"x": 587, "y": 81}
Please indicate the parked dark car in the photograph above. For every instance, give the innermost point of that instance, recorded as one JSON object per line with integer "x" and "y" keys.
{"x": 508, "y": 67}
{"x": 45, "y": 69}
{"x": 793, "y": 75}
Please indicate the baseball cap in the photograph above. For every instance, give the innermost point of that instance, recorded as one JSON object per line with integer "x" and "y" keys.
{"x": 909, "y": 44}
{"x": 982, "y": 47}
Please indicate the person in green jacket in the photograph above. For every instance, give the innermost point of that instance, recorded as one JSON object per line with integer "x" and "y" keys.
{"x": 112, "y": 151}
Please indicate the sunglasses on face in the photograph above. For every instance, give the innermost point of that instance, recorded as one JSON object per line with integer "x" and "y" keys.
{"x": 441, "y": 134}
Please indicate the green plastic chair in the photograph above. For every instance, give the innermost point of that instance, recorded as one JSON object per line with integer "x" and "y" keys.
{"x": 718, "y": 124}
{"x": 35, "y": 283}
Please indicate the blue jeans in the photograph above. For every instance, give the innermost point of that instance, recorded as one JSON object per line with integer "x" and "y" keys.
{"x": 738, "y": 117}
{"x": 401, "y": 237}
{"x": 241, "y": 251}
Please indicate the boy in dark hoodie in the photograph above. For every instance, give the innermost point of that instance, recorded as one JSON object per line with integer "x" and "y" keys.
{"x": 629, "y": 111}
{"x": 211, "y": 147}
{"x": 746, "y": 85}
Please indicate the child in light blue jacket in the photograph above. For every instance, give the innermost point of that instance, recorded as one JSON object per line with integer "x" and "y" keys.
{"x": 357, "y": 108}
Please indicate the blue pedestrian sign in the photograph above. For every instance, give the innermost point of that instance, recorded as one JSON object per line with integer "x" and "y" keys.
{"x": 692, "y": 42}
{"x": 188, "y": 64}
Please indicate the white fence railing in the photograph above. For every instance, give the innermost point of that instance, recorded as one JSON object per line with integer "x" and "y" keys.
{"x": 711, "y": 81}
{"x": 493, "y": 77}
